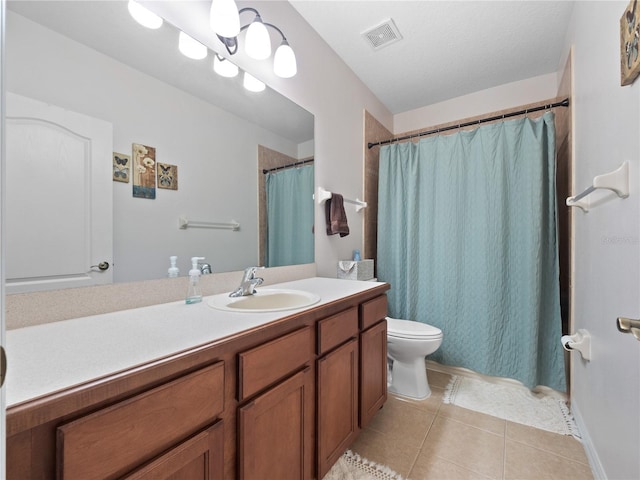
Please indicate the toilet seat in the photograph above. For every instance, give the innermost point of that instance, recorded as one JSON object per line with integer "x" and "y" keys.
{"x": 411, "y": 329}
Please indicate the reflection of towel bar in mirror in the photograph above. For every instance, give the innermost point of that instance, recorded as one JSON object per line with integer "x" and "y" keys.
{"x": 616, "y": 181}
{"x": 184, "y": 223}
{"x": 324, "y": 195}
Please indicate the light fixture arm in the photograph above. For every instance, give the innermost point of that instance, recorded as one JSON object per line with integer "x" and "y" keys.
{"x": 231, "y": 43}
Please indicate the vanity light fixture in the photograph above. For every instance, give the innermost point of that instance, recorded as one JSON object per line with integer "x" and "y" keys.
{"x": 224, "y": 18}
{"x": 224, "y": 67}
{"x": 143, "y": 16}
{"x": 252, "y": 84}
{"x": 191, "y": 48}
{"x": 257, "y": 40}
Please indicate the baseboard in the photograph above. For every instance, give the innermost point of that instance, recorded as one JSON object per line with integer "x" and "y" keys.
{"x": 589, "y": 448}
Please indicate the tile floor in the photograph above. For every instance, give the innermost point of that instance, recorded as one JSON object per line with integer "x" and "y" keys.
{"x": 431, "y": 440}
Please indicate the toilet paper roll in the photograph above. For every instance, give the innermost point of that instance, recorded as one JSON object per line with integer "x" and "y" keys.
{"x": 579, "y": 341}
{"x": 566, "y": 340}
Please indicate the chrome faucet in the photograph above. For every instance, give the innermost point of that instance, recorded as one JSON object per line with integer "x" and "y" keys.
{"x": 205, "y": 268}
{"x": 248, "y": 284}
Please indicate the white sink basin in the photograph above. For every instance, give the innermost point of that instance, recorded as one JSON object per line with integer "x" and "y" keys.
{"x": 264, "y": 300}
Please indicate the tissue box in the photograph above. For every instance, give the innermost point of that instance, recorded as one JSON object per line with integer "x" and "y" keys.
{"x": 351, "y": 270}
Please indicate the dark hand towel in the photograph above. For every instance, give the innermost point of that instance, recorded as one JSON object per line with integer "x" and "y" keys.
{"x": 336, "y": 216}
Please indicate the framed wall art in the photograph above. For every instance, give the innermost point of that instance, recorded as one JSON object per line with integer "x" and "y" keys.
{"x": 121, "y": 167}
{"x": 629, "y": 35}
{"x": 167, "y": 176}
{"x": 144, "y": 171}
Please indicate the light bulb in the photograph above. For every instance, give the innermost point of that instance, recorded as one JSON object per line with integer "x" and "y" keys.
{"x": 224, "y": 18}
{"x": 143, "y": 16}
{"x": 252, "y": 84}
{"x": 284, "y": 61}
{"x": 191, "y": 48}
{"x": 224, "y": 67}
{"x": 257, "y": 41}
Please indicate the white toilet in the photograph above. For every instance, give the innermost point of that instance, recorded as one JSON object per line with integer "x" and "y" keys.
{"x": 408, "y": 342}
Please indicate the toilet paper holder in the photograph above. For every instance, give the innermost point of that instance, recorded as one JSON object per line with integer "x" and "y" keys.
{"x": 580, "y": 341}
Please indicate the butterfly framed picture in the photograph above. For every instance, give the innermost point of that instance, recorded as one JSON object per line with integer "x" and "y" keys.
{"x": 121, "y": 167}
{"x": 167, "y": 176}
{"x": 629, "y": 37}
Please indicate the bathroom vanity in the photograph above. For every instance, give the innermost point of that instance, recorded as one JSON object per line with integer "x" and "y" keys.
{"x": 187, "y": 392}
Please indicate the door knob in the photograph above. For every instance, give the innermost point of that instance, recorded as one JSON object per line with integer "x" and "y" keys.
{"x": 629, "y": 325}
{"x": 102, "y": 266}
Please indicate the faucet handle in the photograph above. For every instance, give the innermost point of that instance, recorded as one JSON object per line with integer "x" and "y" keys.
{"x": 249, "y": 273}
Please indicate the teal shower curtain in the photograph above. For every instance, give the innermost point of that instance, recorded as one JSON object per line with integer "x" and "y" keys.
{"x": 467, "y": 239}
{"x": 290, "y": 217}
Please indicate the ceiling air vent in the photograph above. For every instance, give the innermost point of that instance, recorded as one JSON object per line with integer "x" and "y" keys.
{"x": 382, "y": 35}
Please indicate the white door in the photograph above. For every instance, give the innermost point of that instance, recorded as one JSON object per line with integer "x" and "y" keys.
{"x": 58, "y": 213}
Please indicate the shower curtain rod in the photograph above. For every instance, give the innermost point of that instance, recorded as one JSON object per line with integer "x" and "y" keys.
{"x": 563, "y": 103}
{"x": 291, "y": 165}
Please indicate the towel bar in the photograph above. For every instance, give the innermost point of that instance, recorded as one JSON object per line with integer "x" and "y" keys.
{"x": 324, "y": 195}
{"x": 617, "y": 181}
{"x": 184, "y": 223}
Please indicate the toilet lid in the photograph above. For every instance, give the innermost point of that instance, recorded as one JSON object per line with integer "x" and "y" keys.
{"x": 411, "y": 329}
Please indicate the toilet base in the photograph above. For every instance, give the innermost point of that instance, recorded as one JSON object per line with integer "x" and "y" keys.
{"x": 410, "y": 379}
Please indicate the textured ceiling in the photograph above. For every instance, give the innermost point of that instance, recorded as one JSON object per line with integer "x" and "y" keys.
{"x": 449, "y": 48}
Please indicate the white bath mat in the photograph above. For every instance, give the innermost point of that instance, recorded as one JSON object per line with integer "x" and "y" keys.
{"x": 512, "y": 402}
{"x": 351, "y": 466}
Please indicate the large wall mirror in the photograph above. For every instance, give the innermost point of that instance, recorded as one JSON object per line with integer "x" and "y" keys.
{"x": 90, "y": 58}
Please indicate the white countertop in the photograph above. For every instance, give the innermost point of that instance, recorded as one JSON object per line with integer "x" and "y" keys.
{"x": 51, "y": 357}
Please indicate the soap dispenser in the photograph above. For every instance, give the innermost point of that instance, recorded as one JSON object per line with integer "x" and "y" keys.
{"x": 174, "y": 271}
{"x": 194, "y": 294}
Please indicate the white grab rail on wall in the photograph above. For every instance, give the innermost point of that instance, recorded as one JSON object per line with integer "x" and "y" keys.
{"x": 617, "y": 181}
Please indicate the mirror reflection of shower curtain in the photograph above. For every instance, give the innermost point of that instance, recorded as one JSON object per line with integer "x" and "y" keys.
{"x": 467, "y": 239}
{"x": 290, "y": 217}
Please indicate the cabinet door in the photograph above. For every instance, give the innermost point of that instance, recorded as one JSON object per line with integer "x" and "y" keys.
{"x": 198, "y": 458}
{"x": 275, "y": 436}
{"x": 337, "y": 404}
{"x": 373, "y": 371}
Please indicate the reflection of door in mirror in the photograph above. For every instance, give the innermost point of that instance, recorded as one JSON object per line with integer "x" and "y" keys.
{"x": 59, "y": 215}
{"x": 93, "y": 58}
{"x": 286, "y": 208}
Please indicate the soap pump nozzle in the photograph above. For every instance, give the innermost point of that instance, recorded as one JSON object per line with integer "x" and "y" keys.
{"x": 194, "y": 266}
{"x": 173, "y": 271}
{"x": 194, "y": 295}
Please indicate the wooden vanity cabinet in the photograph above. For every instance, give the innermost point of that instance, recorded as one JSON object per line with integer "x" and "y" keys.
{"x": 283, "y": 400}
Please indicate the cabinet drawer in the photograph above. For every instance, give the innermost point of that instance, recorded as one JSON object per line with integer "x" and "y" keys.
{"x": 117, "y": 439}
{"x": 337, "y": 329}
{"x": 373, "y": 311}
{"x": 264, "y": 365}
